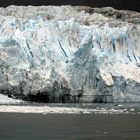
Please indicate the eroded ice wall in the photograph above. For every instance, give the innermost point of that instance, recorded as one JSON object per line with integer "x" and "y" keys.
{"x": 70, "y": 54}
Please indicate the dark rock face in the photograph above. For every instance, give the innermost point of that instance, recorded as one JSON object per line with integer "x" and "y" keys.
{"x": 70, "y": 54}
{"x": 117, "y": 4}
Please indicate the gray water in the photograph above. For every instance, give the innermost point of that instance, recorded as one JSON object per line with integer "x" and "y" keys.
{"x": 102, "y": 122}
{"x": 21, "y": 126}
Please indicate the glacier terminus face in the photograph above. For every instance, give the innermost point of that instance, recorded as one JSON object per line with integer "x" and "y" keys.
{"x": 70, "y": 54}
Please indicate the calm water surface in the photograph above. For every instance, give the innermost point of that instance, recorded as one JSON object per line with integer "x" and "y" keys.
{"x": 93, "y": 126}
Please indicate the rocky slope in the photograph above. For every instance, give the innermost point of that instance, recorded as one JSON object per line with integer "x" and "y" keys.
{"x": 133, "y": 5}
{"x": 70, "y": 54}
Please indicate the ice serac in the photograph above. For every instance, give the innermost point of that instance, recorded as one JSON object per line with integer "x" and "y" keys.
{"x": 70, "y": 54}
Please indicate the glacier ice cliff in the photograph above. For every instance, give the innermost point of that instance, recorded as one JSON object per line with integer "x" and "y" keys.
{"x": 70, "y": 54}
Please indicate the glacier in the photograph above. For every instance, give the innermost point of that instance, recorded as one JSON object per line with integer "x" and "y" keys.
{"x": 70, "y": 54}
